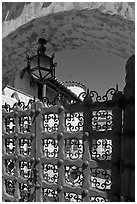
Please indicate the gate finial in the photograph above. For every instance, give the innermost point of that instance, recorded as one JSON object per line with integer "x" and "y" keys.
{"x": 88, "y": 98}
{"x": 88, "y": 92}
{"x": 116, "y": 88}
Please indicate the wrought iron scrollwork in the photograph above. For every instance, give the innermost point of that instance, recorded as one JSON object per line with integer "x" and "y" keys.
{"x": 74, "y": 149}
{"x": 25, "y": 124}
{"x": 102, "y": 149}
{"x": 50, "y": 173}
{"x": 72, "y": 197}
{"x": 48, "y": 103}
{"x": 22, "y": 105}
{"x": 50, "y": 122}
{"x": 102, "y": 120}
{"x": 28, "y": 190}
{"x": 50, "y": 148}
{"x": 7, "y": 107}
{"x": 25, "y": 147}
{"x": 10, "y": 187}
{"x": 33, "y": 181}
{"x": 25, "y": 191}
{"x": 59, "y": 98}
{"x": 98, "y": 199}
{"x": 82, "y": 95}
{"x": 25, "y": 169}
{"x": 29, "y": 104}
{"x": 95, "y": 97}
{"x": 10, "y": 145}
{"x": 10, "y": 166}
{"x": 10, "y": 125}
{"x": 74, "y": 176}
{"x": 50, "y": 195}
{"x": 74, "y": 121}
{"x": 101, "y": 178}
{"x": 109, "y": 94}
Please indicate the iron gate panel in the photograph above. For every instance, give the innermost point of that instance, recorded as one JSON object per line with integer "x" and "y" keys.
{"x": 57, "y": 153}
{"x": 18, "y": 153}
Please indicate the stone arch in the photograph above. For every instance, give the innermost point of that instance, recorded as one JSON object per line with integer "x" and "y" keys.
{"x": 104, "y": 26}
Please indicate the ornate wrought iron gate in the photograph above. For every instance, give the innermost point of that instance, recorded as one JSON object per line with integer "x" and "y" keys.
{"x": 63, "y": 153}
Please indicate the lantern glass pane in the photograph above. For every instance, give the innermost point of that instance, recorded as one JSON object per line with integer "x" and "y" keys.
{"x": 36, "y": 74}
{"x": 45, "y": 61}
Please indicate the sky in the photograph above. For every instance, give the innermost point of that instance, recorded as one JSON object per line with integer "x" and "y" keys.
{"x": 97, "y": 70}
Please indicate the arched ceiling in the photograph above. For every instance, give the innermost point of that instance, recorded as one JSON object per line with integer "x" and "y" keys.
{"x": 67, "y": 25}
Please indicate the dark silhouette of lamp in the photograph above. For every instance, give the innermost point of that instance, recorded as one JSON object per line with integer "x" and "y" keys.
{"x": 40, "y": 66}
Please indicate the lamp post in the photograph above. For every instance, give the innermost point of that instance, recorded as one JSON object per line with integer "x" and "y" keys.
{"x": 40, "y": 66}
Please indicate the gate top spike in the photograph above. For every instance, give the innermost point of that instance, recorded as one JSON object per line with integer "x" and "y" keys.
{"x": 88, "y": 98}
{"x": 87, "y": 92}
{"x": 116, "y": 87}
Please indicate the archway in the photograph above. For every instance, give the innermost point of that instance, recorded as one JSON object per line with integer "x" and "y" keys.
{"x": 105, "y": 26}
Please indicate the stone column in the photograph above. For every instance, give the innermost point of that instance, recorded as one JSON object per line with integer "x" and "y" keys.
{"x": 128, "y": 149}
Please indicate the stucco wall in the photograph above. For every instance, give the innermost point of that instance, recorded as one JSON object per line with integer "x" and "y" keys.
{"x": 24, "y": 84}
{"x": 8, "y": 97}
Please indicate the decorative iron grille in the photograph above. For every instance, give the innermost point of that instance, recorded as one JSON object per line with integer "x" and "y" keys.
{"x": 24, "y": 191}
{"x": 74, "y": 122}
{"x": 10, "y": 187}
{"x": 72, "y": 197}
{"x": 50, "y": 148}
{"x": 74, "y": 149}
{"x": 10, "y": 125}
{"x": 10, "y": 166}
{"x": 101, "y": 178}
{"x": 97, "y": 199}
{"x": 25, "y": 124}
{"x": 55, "y": 154}
{"x": 25, "y": 169}
{"x": 25, "y": 146}
{"x": 10, "y": 146}
{"x": 101, "y": 149}
{"x": 102, "y": 120}
{"x": 50, "y": 123}
{"x": 50, "y": 173}
{"x": 50, "y": 195}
